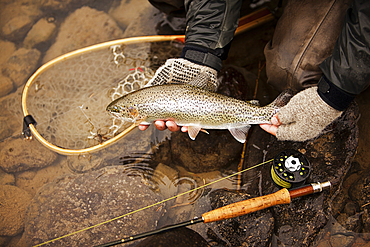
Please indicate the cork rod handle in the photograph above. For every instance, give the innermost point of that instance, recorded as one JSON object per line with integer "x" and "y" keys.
{"x": 247, "y": 206}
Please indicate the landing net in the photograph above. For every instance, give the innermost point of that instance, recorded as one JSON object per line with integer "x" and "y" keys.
{"x": 67, "y": 96}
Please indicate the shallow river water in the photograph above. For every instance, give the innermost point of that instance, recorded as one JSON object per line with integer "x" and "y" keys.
{"x": 146, "y": 180}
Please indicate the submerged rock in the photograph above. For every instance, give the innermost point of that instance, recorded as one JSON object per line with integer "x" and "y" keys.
{"x": 14, "y": 202}
{"x": 31, "y": 181}
{"x": 17, "y": 18}
{"x": 75, "y": 202}
{"x": 18, "y": 155}
{"x": 21, "y": 65}
{"x": 131, "y": 10}
{"x": 11, "y": 116}
{"x": 84, "y": 27}
{"x": 42, "y": 31}
{"x": 6, "y": 50}
{"x": 207, "y": 153}
{"x": 6, "y": 85}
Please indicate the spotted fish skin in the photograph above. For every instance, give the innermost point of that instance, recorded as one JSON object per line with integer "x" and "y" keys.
{"x": 193, "y": 107}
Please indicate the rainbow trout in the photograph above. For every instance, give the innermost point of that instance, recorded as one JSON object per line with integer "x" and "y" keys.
{"x": 193, "y": 107}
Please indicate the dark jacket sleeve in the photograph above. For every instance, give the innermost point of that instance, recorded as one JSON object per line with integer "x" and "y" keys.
{"x": 347, "y": 70}
{"x": 210, "y": 27}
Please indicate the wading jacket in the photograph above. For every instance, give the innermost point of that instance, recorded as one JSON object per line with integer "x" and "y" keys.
{"x": 210, "y": 27}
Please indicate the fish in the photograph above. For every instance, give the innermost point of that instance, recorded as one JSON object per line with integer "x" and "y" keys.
{"x": 194, "y": 107}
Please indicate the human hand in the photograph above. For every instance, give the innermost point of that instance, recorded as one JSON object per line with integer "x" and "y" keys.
{"x": 180, "y": 70}
{"x": 303, "y": 118}
{"x": 162, "y": 125}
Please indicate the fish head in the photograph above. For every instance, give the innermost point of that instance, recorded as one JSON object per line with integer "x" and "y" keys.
{"x": 124, "y": 111}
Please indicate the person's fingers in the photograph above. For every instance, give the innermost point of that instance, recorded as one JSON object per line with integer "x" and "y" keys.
{"x": 160, "y": 125}
{"x": 275, "y": 120}
{"x": 143, "y": 127}
{"x": 269, "y": 128}
{"x": 172, "y": 126}
{"x": 184, "y": 129}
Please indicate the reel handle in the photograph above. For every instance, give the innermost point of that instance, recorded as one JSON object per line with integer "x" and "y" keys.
{"x": 247, "y": 206}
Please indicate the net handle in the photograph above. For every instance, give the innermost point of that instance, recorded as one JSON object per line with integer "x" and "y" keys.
{"x": 105, "y": 144}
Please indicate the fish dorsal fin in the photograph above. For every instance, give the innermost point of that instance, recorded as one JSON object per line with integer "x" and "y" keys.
{"x": 240, "y": 133}
{"x": 193, "y": 131}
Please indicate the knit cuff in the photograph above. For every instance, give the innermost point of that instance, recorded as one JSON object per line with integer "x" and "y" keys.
{"x": 333, "y": 95}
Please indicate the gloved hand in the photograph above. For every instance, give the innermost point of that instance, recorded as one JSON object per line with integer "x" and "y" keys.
{"x": 303, "y": 118}
{"x": 179, "y": 70}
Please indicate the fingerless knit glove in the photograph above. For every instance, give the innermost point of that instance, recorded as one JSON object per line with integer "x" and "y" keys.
{"x": 305, "y": 116}
{"x": 179, "y": 70}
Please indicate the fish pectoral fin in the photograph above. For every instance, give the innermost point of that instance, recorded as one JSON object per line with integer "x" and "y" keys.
{"x": 140, "y": 120}
{"x": 240, "y": 134}
{"x": 193, "y": 131}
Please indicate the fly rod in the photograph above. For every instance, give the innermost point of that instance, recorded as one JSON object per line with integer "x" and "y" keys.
{"x": 233, "y": 210}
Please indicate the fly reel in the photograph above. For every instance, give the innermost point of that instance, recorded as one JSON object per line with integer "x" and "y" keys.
{"x": 290, "y": 169}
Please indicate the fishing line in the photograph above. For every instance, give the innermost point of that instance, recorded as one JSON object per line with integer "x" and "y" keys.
{"x": 165, "y": 200}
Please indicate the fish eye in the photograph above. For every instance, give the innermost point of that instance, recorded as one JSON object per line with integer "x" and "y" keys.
{"x": 115, "y": 109}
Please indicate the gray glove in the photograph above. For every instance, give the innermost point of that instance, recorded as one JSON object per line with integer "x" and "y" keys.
{"x": 305, "y": 116}
{"x": 179, "y": 70}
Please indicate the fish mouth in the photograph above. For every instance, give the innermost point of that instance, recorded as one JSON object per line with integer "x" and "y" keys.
{"x": 120, "y": 117}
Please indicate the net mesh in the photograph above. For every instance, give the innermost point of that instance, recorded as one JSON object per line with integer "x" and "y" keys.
{"x": 68, "y": 100}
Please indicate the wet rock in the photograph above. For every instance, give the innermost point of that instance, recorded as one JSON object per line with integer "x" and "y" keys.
{"x": 6, "y": 85}
{"x": 4, "y": 241}
{"x": 254, "y": 229}
{"x": 360, "y": 190}
{"x": 353, "y": 223}
{"x": 17, "y": 241}
{"x": 6, "y": 178}
{"x": 17, "y": 18}
{"x": 31, "y": 181}
{"x": 330, "y": 156}
{"x": 236, "y": 82}
{"x": 18, "y": 155}
{"x": 341, "y": 240}
{"x": 297, "y": 228}
{"x": 8, "y": 125}
{"x": 74, "y": 202}
{"x": 21, "y": 65}
{"x": 207, "y": 153}
{"x": 60, "y": 5}
{"x": 41, "y": 32}
{"x": 12, "y": 211}
{"x": 145, "y": 23}
{"x": 182, "y": 237}
{"x": 131, "y": 10}
{"x": 11, "y": 116}
{"x": 84, "y": 27}
{"x": 350, "y": 208}
{"x": 366, "y": 221}
{"x": 6, "y": 50}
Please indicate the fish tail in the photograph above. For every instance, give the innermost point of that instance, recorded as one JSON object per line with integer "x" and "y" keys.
{"x": 281, "y": 100}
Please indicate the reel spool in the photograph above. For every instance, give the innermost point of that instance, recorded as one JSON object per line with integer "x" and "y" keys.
{"x": 290, "y": 169}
